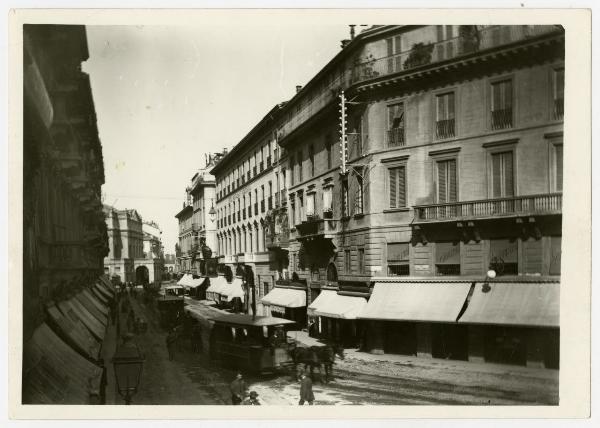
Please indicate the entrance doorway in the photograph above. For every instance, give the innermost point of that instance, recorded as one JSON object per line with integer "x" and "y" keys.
{"x": 142, "y": 275}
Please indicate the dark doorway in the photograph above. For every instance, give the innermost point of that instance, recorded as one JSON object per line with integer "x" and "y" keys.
{"x": 332, "y": 272}
{"x": 450, "y": 342}
{"x": 552, "y": 348}
{"x": 400, "y": 338}
{"x": 142, "y": 276}
{"x": 506, "y": 345}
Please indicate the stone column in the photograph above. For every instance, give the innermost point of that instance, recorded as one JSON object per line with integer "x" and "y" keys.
{"x": 423, "y": 339}
{"x": 261, "y": 240}
{"x": 375, "y": 337}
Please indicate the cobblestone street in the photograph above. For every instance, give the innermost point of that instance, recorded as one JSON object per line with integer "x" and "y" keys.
{"x": 360, "y": 379}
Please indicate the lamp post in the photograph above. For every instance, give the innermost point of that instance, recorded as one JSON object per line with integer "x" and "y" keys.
{"x": 212, "y": 213}
{"x": 490, "y": 274}
{"x": 128, "y": 362}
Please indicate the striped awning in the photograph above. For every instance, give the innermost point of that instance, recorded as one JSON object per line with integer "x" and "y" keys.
{"x": 330, "y": 304}
{"x": 54, "y": 373}
{"x": 74, "y": 329}
{"x": 525, "y": 304}
{"x": 427, "y": 302}
{"x": 72, "y": 306}
{"x": 285, "y": 297}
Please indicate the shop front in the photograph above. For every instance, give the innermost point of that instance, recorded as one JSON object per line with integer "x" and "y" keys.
{"x": 514, "y": 323}
{"x": 286, "y": 302}
{"x": 335, "y": 317}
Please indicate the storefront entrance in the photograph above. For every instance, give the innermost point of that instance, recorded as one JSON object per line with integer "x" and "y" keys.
{"x": 450, "y": 342}
{"x": 400, "y": 338}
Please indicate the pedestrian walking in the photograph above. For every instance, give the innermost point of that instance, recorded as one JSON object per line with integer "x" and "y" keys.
{"x": 171, "y": 339}
{"x": 238, "y": 390}
{"x": 252, "y": 400}
{"x": 306, "y": 391}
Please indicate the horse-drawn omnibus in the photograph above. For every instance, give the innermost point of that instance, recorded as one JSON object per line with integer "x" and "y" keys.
{"x": 256, "y": 344}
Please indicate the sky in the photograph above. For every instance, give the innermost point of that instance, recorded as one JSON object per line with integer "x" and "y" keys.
{"x": 165, "y": 96}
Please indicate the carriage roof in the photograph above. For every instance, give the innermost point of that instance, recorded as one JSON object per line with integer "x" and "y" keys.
{"x": 245, "y": 320}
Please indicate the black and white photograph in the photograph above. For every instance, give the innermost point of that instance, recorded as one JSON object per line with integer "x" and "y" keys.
{"x": 291, "y": 214}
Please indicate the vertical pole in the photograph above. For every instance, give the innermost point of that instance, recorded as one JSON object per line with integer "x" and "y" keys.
{"x": 343, "y": 136}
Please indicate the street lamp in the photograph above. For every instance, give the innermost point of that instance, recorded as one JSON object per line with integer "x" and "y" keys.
{"x": 212, "y": 213}
{"x": 491, "y": 274}
{"x": 128, "y": 362}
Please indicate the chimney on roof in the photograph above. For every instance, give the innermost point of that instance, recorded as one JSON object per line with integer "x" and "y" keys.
{"x": 298, "y": 88}
{"x": 345, "y": 43}
{"x": 352, "y": 31}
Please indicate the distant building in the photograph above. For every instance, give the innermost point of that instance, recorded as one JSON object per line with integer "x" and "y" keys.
{"x": 134, "y": 247}
{"x": 197, "y": 222}
{"x": 170, "y": 264}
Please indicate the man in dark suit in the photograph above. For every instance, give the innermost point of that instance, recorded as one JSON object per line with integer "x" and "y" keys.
{"x": 238, "y": 390}
{"x": 306, "y": 391}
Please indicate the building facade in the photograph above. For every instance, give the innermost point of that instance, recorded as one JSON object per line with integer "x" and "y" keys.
{"x": 204, "y": 224}
{"x": 153, "y": 252}
{"x": 452, "y": 167}
{"x": 125, "y": 241}
{"x": 246, "y": 183}
{"x": 64, "y": 233}
{"x": 423, "y": 172}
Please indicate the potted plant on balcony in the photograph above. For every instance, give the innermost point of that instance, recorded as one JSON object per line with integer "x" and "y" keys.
{"x": 420, "y": 54}
{"x": 328, "y": 213}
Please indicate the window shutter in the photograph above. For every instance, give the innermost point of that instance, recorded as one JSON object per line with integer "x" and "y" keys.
{"x": 496, "y": 182}
{"x": 559, "y": 167}
{"x": 402, "y": 187}
{"x": 451, "y": 105}
{"x": 393, "y": 194}
{"x": 496, "y": 97}
{"x": 507, "y": 94}
{"x": 508, "y": 174}
{"x": 452, "y": 180}
{"x": 441, "y": 182}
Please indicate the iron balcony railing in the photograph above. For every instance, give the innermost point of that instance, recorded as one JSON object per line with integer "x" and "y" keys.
{"x": 395, "y": 137}
{"x": 550, "y": 203}
{"x": 316, "y": 227}
{"x": 502, "y": 118}
{"x": 473, "y": 39}
{"x": 444, "y": 128}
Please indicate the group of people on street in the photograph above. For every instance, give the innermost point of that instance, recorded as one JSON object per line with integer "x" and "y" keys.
{"x": 238, "y": 390}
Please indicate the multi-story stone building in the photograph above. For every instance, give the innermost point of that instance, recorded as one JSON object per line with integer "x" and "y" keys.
{"x": 64, "y": 233}
{"x": 197, "y": 222}
{"x": 452, "y": 167}
{"x": 246, "y": 186}
{"x": 125, "y": 242}
{"x": 153, "y": 253}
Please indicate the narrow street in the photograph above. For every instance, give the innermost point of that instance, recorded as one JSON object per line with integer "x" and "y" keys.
{"x": 359, "y": 379}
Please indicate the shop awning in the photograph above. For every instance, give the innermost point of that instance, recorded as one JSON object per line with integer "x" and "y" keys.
{"x": 105, "y": 281}
{"x": 88, "y": 320}
{"x": 195, "y": 283}
{"x": 285, "y": 297}
{"x": 332, "y": 305}
{"x": 217, "y": 284}
{"x": 76, "y": 332}
{"x": 101, "y": 297}
{"x": 233, "y": 290}
{"x": 88, "y": 306}
{"x": 103, "y": 291}
{"x": 433, "y": 302}
{"x": 54, "y": 373}
{"x": 185, "y": 280}
{"x": 526, "y": 304}
{"x": 96, "y": 302}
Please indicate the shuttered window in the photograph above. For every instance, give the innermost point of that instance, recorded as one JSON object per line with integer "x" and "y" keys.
{"x": 398, "y": 259}
{"x": 558, "y": 159}
{"x": 502, "y": 104}
{"x": 446, "y": 178}
{"x": 502, "y": 175}
{"x": 397, "y": 181}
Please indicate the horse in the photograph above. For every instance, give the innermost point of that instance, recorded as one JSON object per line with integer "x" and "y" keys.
{"x": 315, "y": 356}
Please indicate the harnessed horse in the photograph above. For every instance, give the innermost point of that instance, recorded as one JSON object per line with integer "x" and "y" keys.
{"x": 315, "y": 356}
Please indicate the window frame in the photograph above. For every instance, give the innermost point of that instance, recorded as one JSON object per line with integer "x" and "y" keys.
{"x": 388, "y": 125}
{"x": 404, "y": 166}
{"x": 435, "y": 110}
{"x": 396, "y": 263}
{"x": 553, "y": 88}
{"x": 490, "y": 102}
{"x": 501, "y": 147}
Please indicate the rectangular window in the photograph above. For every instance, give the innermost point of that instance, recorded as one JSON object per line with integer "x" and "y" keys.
{"x": 311, "y": 160}
{"x": 447, "y": 258}
{"x": 310, "y": 205}
{"x": 292, "y": 165}
{"x": 300, "y": 167}
{"x": 502, "y": 175}
{"x": 446, "y": 181}
{"x": 395, "y": 131}
{"x": 502, "y": 104}
{"x": 558, "y": 167}
{"x": 327, "y": 202}
{"x": 445, "y": 116}
{"x": 347, "y": 261}
{"x": 359, "y": 200}
{"x": 292, "y": 210}
{"x": 504, "y": 256}
{"x": 397, "y": 181}
{"x": 361, "y": 260}
{"x": 559, "y": 93}
{"x": 328, "y": 150}
{"x": 398, "y": 259}
{"x": 345, "y": 211}
{"x": 555, "y": 255}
